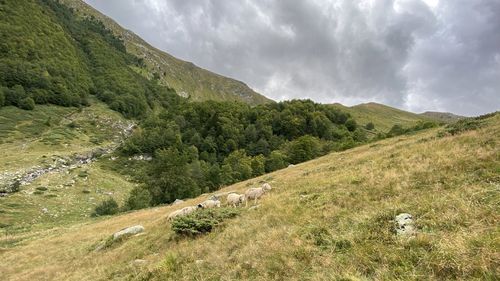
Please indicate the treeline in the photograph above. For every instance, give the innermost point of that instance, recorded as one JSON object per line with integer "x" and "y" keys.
{"x": 199, "y": 147}
{"x": 48, "y": 55}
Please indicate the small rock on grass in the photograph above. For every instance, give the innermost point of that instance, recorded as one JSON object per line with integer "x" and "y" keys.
{"x": 405, "y": 226}
{"x": 128, "y": 231}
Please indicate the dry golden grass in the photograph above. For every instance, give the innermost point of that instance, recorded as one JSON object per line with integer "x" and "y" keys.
{"x": 327, "y": 219}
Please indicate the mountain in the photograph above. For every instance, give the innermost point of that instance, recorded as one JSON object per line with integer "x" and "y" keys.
{"x": 186, "y": 78}
{"x": 383, "y": 116}
{"x": 445, "y": 117}
{"x": 327, "y": 219}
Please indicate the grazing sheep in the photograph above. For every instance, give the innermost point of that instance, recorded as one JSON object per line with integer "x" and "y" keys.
{"x": 235, "y": 199}
{"x": 182, "y": 212}
{"x": 210, "y": 203}
{"x": 256, "y": 192}
{"x": 266, "y": 186}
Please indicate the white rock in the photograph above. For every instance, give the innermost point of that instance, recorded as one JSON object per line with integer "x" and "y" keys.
{"x": 254, "y": 207}
{"x": 405, "y": 225}
{"x": 139, "y": 262}
{"x": 128, "y": 231}
{"x": 178, "y": 201}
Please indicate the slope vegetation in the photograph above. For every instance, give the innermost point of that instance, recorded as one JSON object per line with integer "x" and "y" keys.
{"x": 50, "y": 151}
{"x": 186, "y": 78}
{"x": 326, "y": 219}
{"x": 383, "y": 116}
{"x": 445, "y": 117}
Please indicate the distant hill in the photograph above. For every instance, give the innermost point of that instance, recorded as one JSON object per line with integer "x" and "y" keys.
{"x": 383, "y": 116}
{"x": 185, "y": 77}
{"x": 445, "y": 117}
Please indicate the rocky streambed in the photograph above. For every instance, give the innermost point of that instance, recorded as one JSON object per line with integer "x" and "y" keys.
{"x": 12, "y": 181}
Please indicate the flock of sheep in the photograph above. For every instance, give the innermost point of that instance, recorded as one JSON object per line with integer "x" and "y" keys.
{"x": 233, "y": 199}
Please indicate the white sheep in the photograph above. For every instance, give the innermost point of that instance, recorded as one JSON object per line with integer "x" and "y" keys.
{"x": 256, "y": 192}
{"x": 210, "y": 203}
{"x": 235, "y": 199}
{"x": 182, "y": 212}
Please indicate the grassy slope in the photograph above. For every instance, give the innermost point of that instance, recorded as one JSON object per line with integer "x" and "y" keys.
{"x": 382, "y": 116}
{"x": 27, "y": 133}
{"x": 442, "y": 116}
{"x": 326, "y": 219}
{"x": 184, "y": 77}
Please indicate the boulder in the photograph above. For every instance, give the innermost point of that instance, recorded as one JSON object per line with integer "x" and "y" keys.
{"x": 128, "y": 231}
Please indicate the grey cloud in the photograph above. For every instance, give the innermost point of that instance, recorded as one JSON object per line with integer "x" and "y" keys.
{"x": 398, "y": 52}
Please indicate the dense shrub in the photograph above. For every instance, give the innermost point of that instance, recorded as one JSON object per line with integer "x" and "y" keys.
{"x": 202, "y": 221}
{"x": 303, "y": 149}
{"x": 106, "y": 207}
{"x": 2, "y": 96}
{"x": 139, "y": 198}
{"x": 27, "y": 104}
{"x": 369, "y": 126}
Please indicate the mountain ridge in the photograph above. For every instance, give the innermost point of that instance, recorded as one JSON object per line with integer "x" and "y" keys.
{"x": 185, "y": 77}
{"x": 384, "y": 116}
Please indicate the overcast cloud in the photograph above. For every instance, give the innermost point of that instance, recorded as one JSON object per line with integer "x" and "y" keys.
{"x": 417, "y": 55}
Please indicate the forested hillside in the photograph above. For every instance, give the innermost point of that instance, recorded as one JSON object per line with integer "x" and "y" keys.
{"x": 187, "y": 79}
{"x": 200, "y": 147}
{"x": 50, "y": 56}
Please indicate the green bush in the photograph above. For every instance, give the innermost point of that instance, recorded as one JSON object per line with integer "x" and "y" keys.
{"x": 370, "y": 126}
{"x": 202, "y": 221}
{"x": 2, "y": 97}
{"x": 107, "y": 207}
{"x": 462, "y": 125}
{"x": 139, "y": 198}
{"x": 302, "y": 149}
{"x": 27, "y": 104}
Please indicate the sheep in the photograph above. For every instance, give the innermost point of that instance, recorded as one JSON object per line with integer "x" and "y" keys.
{"x": 256, "y": 192}
{"x": 210, "y": 203}
{"x": 266, "y": 186}
{"x": 182, "y": 212}
{"x": 235, "y": 199}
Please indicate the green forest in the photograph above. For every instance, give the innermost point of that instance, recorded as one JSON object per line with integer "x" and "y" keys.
{"x": 48, "y": 55}
{"x": 199, "y": 147}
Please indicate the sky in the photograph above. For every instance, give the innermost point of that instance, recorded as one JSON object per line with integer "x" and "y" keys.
{"x": 417, "y": 55}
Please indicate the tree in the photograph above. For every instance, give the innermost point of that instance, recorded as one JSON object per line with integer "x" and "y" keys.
{"x": 396, "y": 130}
{"x": 260, "y": 147}
{"x": 14, "y": 95}
{"x": 275, "y": 161}
{"x": 169, "y": 178}
{"x": 258, "y": 165}
{"x": 139, "y": 198}
{"x": 240, "y": 165}
{"x": 106, "y": 207}
{"x": 302, "y": 149}
{"x": 27, "y": 104}
{"x": 370, "y": 126}
{"x": 351, "y": 125}
{"x": 2, "y": 96}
